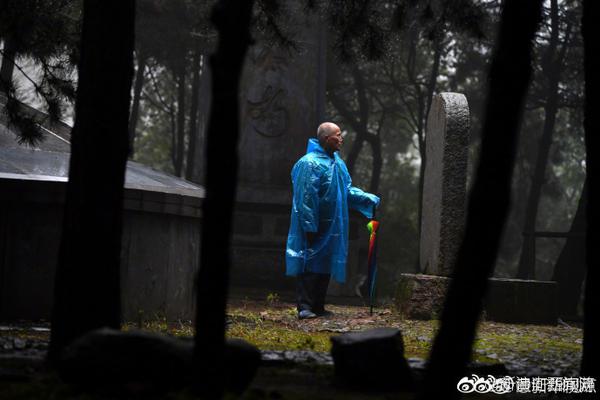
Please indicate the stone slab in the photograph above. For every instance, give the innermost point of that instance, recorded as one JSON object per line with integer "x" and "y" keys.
{"x": 507, "y": 300}
{"x": 445, "y": 179}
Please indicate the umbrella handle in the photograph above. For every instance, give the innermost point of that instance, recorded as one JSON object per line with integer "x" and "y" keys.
{"x": 374, "y": 211}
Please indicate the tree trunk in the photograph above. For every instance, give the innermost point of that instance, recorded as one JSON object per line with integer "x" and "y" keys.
{"x": 180, "y": 141}
{"x": 360, "y": 125}
{"x": 349, "y": 117}
{"x": 489, "y": 199}
{"x": 375, "y": 142}
{"x": 135, "y": 104}
{"x": 410, "y": 72}
{"x": 198, "y": 173}
{"x": 589, "y": 27}
{"x": 357, "y": 146}
{"x": 435, "y": 70}
{"x": 420, "y": 205}
{"x": 86, "y": 293}
{"x": 173, "y": 123}
{"x": 569, "y": 271}
{"x": 8, "y": 66}
{"x": 193, "y": 126}
{"x": 232, "y": 21}
{"x": 552, "y": 72}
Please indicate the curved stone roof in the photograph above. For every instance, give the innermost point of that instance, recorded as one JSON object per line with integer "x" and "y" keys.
{"x": 50, "y": 162}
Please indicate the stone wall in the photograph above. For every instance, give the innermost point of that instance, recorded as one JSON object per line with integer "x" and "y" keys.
{"x": 161, "y": 239}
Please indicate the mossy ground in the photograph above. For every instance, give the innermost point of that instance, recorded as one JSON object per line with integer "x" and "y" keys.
{"x": 273, "y": 325}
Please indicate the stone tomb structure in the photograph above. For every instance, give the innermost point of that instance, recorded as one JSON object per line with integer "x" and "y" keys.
{"x": 160, "y": 242}
{"x": 421, "y": 296}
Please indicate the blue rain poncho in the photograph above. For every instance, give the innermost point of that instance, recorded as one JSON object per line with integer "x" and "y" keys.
{"x": 323, "y": 192}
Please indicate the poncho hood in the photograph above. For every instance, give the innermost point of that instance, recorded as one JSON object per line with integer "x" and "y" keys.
{"x": 315, "y": 147}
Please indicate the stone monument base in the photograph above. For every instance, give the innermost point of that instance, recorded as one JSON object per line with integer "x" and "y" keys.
{"x": 508, "y": 300}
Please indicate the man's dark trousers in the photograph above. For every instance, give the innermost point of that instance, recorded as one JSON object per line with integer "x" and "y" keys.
{"x": 311, "y": 289}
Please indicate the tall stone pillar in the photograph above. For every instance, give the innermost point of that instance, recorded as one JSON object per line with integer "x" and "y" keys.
{"x": 282, "y": 96}
{"x": 444, "y": 191}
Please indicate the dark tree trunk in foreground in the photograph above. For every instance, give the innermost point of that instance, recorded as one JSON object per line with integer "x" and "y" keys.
{"x": 590, "y": 365}
{"x": 569, "y": 270}
{"x": 489, "y": 199}
{"x": 552, "y": 72}
{"x": 86, "y": 293}
{"x": 135, "y": 104}
{"x": 232, "y": 20}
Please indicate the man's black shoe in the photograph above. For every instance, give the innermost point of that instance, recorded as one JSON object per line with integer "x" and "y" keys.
{"x": 306, "y": 314}
{"x": 323, "y": 313}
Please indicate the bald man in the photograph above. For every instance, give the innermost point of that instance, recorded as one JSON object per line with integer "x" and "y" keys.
{"x": 317, "y": 244}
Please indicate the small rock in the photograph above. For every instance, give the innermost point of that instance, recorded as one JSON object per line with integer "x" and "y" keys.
{"x": 20, "y": 344}
{"x": 147, "y": 362}
{"x": 126, "y": 358}
{"x": 372, "y": 360}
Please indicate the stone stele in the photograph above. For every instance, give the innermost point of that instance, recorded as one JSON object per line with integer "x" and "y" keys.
{"x": 444, "y": 191}
{"x": 282, "y": 103}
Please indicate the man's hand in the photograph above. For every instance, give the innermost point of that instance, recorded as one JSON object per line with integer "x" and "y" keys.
{"x": 311, "y": 237}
